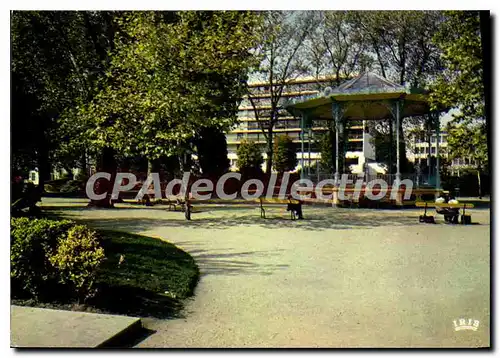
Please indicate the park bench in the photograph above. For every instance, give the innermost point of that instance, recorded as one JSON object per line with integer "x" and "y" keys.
{"x": 292, "y": 205}
{"x": 175, "y": 204}
{"x": 451, "y": 217}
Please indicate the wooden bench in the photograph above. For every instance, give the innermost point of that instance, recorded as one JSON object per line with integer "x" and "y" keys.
{"x": 178, "y": 203}
{"x": 293, "y": 206}
{"x": 451, "y": 217}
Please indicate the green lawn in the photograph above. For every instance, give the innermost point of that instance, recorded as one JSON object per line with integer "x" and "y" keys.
{"x": 151, "y": 281}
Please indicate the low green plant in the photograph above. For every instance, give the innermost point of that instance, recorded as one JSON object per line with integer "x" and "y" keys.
{"x": 32, "y": 243}
{"x": 72, "y": 186}
{"x": 77, "y": 259}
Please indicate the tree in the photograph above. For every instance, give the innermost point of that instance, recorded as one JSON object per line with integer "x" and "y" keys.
{"x": 57, "y": 57}
{"x": 461, "y": 85}
{"x": 400, "y": 44}
{"x": 212, "y": 152}
{"x": 327, "y": 148}
{"x": 469, "y": 141}
{"x": 334, "y": 47}
{"x": 385, "y": 149}
{"x": 285, "y": 154}
{"x": 250, "y": 158}
{"x": 171, "y": 75}
{"x": 282, "y": 37}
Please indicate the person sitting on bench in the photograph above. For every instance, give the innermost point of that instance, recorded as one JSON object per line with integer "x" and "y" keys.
{"x": 295, "y": 208}
{"x": 450, "y": 214}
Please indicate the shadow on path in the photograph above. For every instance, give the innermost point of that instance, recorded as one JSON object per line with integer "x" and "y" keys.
{"x": 312, "y": 221}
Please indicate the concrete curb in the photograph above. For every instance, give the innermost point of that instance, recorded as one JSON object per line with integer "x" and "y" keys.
{"x": 33, "y": 327}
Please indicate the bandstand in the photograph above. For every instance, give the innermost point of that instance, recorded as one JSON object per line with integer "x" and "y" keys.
{"x": 369, "y": 97}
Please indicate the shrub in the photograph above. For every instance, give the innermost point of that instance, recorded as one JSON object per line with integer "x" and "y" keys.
{"x": 82, "y": 176}
{"x": 249, "y": 158}
{"x": 77, "y": 259}
{"x": 73, "y": 186}
{"x": 32, "y": 243}
{"x": 49, "y": 188}
{"x": 53, "y": 259}
{"x": 285, "y": 157}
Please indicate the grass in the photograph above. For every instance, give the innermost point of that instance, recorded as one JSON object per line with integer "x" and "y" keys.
{"x": 152, "y": 281}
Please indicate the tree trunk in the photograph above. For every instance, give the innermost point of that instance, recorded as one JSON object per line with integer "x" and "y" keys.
{"x": 269, "y": 162}
{"x": 44, "y": 169}
{"x": 108, "y": 165}
{"x": 69, "y": 173}
{"x": 83, "y": 165}
{"x": 486, "y": 46}
{"x": 184, "y": 166}
{"x": 150, "y": 167}
{"x": 479, "y": 183}
{"x": 402, "y": 148}
{"x": 333, "y": 154}
{"x": 390, "y": 147}
{"x": 269, "y": 152}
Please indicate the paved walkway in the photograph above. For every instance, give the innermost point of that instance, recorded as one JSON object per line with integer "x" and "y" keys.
{"x": 45, "y": 328}
{"x": 341, "y": 278}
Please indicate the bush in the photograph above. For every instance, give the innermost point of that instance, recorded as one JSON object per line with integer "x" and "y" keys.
{"x": 250, "y": 159}
{"x": 81, "y": 176}
{"x": 285, "y": 156}
{"x": 73, "y": 186}
{"x": 32, "y": 243}
{"x": 77, "y": 258}
{"x": 53, "y": 259}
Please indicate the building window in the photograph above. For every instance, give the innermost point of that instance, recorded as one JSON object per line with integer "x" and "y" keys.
{"x": 433, "y": 139}
{"x": 433, "y": 150}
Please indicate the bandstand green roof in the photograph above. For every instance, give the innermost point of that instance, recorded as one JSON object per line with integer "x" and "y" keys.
{"x": 367, "y": 96}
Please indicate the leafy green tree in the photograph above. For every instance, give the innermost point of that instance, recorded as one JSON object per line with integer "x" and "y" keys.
{"x": 461, "y": 85}
{"x": 250, "y": 158}
{"x": 469, "y": 141}
{"x": 57, "y": 56}
{"x": 212, "y": 152}
{"x": 170, "y": 76}
{"x": 285, "y": 156}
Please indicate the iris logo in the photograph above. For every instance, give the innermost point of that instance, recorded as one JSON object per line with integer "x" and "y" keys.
{"x": 464, "y": 324}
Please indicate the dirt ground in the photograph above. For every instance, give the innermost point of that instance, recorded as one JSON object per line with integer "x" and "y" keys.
{"x": 339, "y": 278}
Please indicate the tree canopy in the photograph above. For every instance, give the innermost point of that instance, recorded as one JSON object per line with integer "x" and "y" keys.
{"x": 461, "y": 85}
{"x": 171, "y": 74}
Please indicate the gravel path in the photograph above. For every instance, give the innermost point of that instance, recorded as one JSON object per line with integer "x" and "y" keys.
{"x": 341, "y": 278}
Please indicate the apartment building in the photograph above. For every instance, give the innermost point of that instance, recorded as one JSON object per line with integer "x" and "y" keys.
{"x": 359, "y": 148}
{"x": 420, "y": 150}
